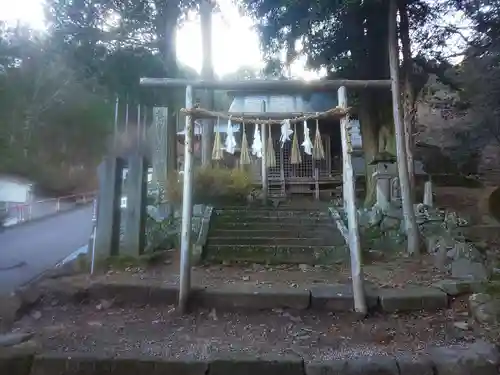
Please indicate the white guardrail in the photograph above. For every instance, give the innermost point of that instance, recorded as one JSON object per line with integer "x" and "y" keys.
{"x": 16, "y": 213}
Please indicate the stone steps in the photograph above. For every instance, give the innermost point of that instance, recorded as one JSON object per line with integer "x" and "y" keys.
{"x": 219, "y": 221}
{"x": 479, "y": 357}
{"x": 254, "y": 217}
{"x": 274, "y": 213}
{"x": 278, "y": 254}
{"x": 270, "y": 241}
{"x": 274, "y": 232}
{"x": 269, "y": 225}
{"x": 281, "y": 235}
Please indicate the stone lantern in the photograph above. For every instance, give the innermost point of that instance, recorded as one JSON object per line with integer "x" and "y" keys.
{"x": 385, "y": 170}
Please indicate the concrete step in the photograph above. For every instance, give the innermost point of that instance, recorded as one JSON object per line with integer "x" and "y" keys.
{"x": 283, "y": 206}
{"x": 273, "y": 213}
{"x": 280, "y": 232}
{"x": 279, "y": 254}
{"x": 270, "y": 241}
{"x": 275, "y": 225}
{"x": 292, "y": 220}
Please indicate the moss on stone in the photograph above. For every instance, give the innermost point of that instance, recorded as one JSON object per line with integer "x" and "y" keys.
{"x": 492, "y": 287}
{"x": 121, "y": 262}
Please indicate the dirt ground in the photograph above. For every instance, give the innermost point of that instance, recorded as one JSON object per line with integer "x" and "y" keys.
{"x": 104, "y": 328}
{"x": 393, "y": 273}
{"x": 109, "y": 330}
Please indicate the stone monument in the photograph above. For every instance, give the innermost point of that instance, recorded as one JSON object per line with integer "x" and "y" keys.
{"x": 385, "y": 171}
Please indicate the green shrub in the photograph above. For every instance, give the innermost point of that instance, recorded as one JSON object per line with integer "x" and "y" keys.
{"x": 215, "y": 186}
{"x": 161, "y": 235}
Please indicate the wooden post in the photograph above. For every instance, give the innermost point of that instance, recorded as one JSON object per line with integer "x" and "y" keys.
{"x": 139, "y": 133}
{"x": 263, "y": 132}
{"x": 126, "y": 117}
{"x": 207, "y": 72}
{"x": 350, "y": 205}
{"x": 110, "y": 173}
{"x": 282, "y": 173}
{"x": 187, "y": 208}
{"x": 316, "y": 181}
{"x": 404, "y": 180}
{"x": 92, "y": 241}
{"x": 115, "y": 124}
{"x": 135, "y": 213}
{"x": 344, "y": 179}
{"x": 144, "y": 123}
{"x": 267, "y": 84}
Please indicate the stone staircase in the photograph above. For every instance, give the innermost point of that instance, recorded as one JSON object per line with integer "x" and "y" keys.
{"x": 282, "y": 235}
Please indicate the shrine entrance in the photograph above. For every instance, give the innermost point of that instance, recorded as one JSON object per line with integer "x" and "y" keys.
{"x": 309, "y": 160}
{"x": 295, "y": 172}
{"x": 263, "y": 147}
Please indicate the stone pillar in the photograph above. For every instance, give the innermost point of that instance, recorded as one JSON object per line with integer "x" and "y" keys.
{"x": 385, "y": 170}
{"x": 163, "y": 156}
{"x": 428, "y": 193}
{"x": 110, "y": 173}
{"x": 135, "y": 213}
{"x": 383, "y": 189}
{"x": 395, "y": 190}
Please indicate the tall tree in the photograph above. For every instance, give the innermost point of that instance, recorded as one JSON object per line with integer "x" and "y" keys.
{"x": 53, "y": 123}
{"x": 96, "y": 31}
{"x": 207, "y": 73}
{"x": 408, "y": 211}
{"x": 478, "y": 77}
{"x": 410, "y": 108}
{"x": 349, "y": 38}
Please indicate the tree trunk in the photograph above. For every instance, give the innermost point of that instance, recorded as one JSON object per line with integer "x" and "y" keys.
{"x": 408, "y": 211}
{"x": 166, "y": 31}
{"x": 207, "y": 72}
{"x": 409, "y": 103}
{"x": 375, "y": 105}
{"x": 377, "y": 132}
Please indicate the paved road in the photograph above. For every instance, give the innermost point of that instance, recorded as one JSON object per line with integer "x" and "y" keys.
{"x": 30, "y": 249}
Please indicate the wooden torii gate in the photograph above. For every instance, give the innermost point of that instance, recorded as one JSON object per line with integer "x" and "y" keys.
{"x": 342, "y": 111}
{"x": 195, "y": 113}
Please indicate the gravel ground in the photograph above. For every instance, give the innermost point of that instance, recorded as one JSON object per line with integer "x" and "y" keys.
{"x": 388, "y": 273}
{"x": 107, "y": 329}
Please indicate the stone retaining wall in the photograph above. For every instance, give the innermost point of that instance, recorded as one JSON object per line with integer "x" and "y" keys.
{"x": 479, "y": 358}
